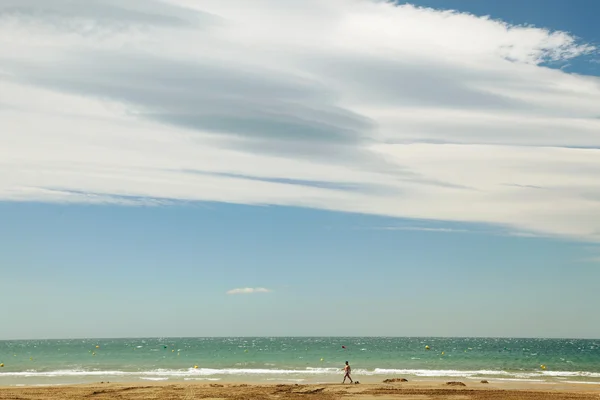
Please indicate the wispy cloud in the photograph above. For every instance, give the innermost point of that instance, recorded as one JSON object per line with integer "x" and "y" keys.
{"x": 523, "y": 234}
{"x": 488, "y": 231}
{"x": 422, "y": 229}
{"x": 248, "y": 290}
{"x": 591, "y": 260}
{"x": 346, "y": 105}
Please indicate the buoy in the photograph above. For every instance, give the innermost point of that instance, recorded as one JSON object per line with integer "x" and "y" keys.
{"x": 542, "y": 366}
{"x": 195, "y": 367}
{"x": 426, "y": 347}
{"x": 443, "y": 353}
{"x": 97, "y": 347}
{"x": 1, "y": 365}
{"x": 31, "y": 358}
{"x": 322, "y": 360}
{"x": 94, "y": 353}
{"x": 172, "y": 351}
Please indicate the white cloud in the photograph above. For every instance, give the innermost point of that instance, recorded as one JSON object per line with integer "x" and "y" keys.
{"x": 248, "y": 291}
{"x": 346, "y": 105}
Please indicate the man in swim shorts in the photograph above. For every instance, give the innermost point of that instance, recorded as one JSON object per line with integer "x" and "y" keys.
{"x": 347, "y": 371}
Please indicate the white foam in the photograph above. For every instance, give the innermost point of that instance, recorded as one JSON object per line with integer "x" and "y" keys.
{"x": 323, "y": 370}
{"x": 576, "y": 373}
{"x": 211, "y": 372}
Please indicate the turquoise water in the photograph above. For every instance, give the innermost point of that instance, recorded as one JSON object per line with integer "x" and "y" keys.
{"x": 307, "y": 360}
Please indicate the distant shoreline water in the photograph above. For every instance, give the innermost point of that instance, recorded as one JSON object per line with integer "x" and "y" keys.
{"x": 298, "y": 360}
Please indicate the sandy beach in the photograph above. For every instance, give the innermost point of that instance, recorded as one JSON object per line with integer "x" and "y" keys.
{"x": 404, "y": 390}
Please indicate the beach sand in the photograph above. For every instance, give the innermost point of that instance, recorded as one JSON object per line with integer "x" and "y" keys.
{"x": 405, "y": 390}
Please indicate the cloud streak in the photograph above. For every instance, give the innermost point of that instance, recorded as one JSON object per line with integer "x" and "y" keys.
{"x": 248, "y": 291}
{"x": 423, "y": 229}
{"x": 368, "y": 107}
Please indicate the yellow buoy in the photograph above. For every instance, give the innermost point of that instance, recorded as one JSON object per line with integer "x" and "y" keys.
{"x": 172, "y": 351}
{"x": 322, "y": 359}
{"x": 97, "y": 347}
{"x": 195, "y": 367}
{"x": 1, "y": 365}
{"x": 542, "y": 366}
{"x": 443, "y": 353}
{"x": 426, "y": 347}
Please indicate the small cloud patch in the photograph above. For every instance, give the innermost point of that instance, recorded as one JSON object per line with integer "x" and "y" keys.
{"x": 248, "y": 291}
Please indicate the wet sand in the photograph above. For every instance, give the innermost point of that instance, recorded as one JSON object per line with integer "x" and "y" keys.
{"x": 404, "y": 390}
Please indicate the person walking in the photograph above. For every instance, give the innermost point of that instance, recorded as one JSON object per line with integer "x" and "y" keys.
{"x": 347, "y": 371}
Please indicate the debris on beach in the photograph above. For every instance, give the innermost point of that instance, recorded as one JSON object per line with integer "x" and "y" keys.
{"x": 394, "y": 380}
{"x": 455, "y": 383}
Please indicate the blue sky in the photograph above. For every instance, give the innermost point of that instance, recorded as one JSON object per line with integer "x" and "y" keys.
{"x": 368, "y": 170}
{"x": 82, "y": 270}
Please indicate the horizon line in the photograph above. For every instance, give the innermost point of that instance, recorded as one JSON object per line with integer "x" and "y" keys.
{"x": 309, "y": 337}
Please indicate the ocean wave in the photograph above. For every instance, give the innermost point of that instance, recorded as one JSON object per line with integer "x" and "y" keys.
{"x": 482, "y": 373}
{"x": 213, "y": 372}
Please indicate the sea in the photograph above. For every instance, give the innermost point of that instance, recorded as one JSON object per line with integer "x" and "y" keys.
{"x": 297, "y": 360}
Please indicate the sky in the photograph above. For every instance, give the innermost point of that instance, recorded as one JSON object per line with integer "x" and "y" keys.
{"x": 299, "y": 168}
